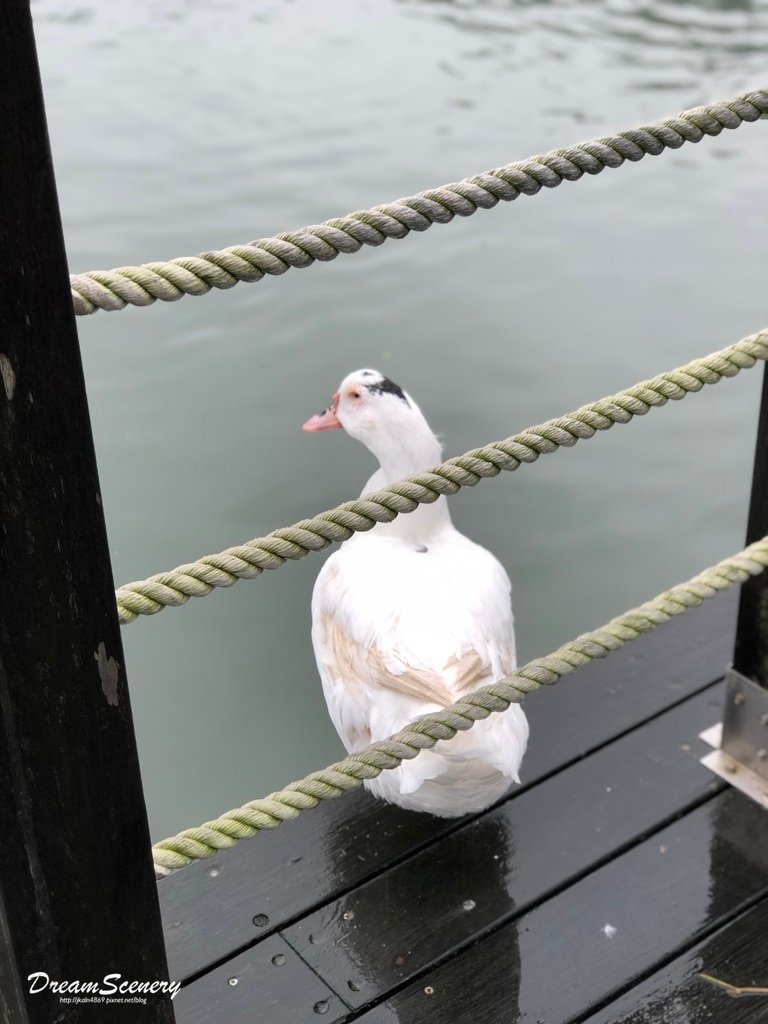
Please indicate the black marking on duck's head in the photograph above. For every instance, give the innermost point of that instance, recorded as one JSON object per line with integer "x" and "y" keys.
{"x": 384, "y": 386}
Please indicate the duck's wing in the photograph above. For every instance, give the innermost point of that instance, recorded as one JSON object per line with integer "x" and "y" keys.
{"x": 358, "y": 663}
{"x": 392, "y": 644}
{"x": 485, "y": 629}
{"x": 373, "y": 683}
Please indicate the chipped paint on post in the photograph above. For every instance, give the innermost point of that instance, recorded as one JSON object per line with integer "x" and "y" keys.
{"x": 9, "y": 377}
{"x": 109, "y": 671}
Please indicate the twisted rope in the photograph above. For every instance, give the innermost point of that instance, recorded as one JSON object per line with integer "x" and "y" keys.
{"x": 147, "y": 597}
{"x": 196, "y": 275}
{"x": 425, "y": 732}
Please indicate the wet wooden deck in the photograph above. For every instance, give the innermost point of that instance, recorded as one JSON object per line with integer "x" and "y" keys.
{"x": 597, "y": 892}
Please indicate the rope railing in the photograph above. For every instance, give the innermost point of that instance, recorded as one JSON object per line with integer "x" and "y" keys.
{"x": 196, "y": 275}
{"x": 268, "y": 813}
{"x": 246, "y": 561}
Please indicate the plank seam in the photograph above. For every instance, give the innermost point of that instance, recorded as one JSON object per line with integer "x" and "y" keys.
{"x": 317, "y": 974}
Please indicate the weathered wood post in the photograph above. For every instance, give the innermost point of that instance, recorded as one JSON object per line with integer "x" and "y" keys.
{"x": 745, "y": 719}
{"x": 751, "y": 654}
{"x": 78, "y": 899}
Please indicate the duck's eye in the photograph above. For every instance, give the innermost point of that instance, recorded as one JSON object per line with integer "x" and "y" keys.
{"x": 354, "y": 394}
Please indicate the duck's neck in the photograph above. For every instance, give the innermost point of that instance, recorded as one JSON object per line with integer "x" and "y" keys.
{"x": 397, "y": 461}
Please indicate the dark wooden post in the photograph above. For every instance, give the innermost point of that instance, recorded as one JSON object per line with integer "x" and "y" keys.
{"x": 745, "y": 716}
{"x": 77, "y": 895}
{"x": 751, "y": 653}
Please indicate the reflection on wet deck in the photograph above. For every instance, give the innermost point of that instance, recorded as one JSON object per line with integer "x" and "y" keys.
{"x": 599, "y": 891}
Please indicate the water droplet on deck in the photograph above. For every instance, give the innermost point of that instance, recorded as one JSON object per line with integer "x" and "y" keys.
{"x": 261, "y": 920}
{"x": 233, "y": 981}
{"x": 322, "y": 1006}
{"x": 278, "y": 959}
{"x": 469, "y": 904}
{"x": 429, "y": 991}
{"x": 349, "y": 915}
{"x": 214, "y": 872}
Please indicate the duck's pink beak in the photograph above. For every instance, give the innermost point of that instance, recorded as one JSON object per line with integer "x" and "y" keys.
{"x": 327, "y": 420}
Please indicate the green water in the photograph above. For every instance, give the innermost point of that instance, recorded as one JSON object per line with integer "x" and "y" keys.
{"x": 183, "y": 126}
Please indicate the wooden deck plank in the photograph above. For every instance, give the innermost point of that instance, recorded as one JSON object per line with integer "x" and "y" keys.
{"x": 559, "y": 962}
{"x": 269, "y": 984}
{"x": 209, "y": 908}
{"x": 495, "y": 868}
{"x": 677, "y": 994}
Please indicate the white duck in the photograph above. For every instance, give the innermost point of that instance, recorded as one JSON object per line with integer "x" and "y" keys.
{"x": 412, "y": 615}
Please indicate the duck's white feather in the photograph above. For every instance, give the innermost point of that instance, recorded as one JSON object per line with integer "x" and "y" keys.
{"x": 407, "y": 619}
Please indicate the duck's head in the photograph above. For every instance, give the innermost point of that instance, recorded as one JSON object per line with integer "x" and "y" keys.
{"x": 367, "y": 405}
{"x": 377, "y": 412}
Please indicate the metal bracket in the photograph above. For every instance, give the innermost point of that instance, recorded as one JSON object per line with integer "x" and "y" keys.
{"x": 741, "y": 742}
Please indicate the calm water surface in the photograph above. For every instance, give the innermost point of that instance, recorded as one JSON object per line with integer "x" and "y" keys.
{"x": 182, "y": 125}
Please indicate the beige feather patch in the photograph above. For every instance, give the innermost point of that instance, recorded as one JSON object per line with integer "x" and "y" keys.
{"x": 368, "y": 666}
{"x": 354, "y": 663}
